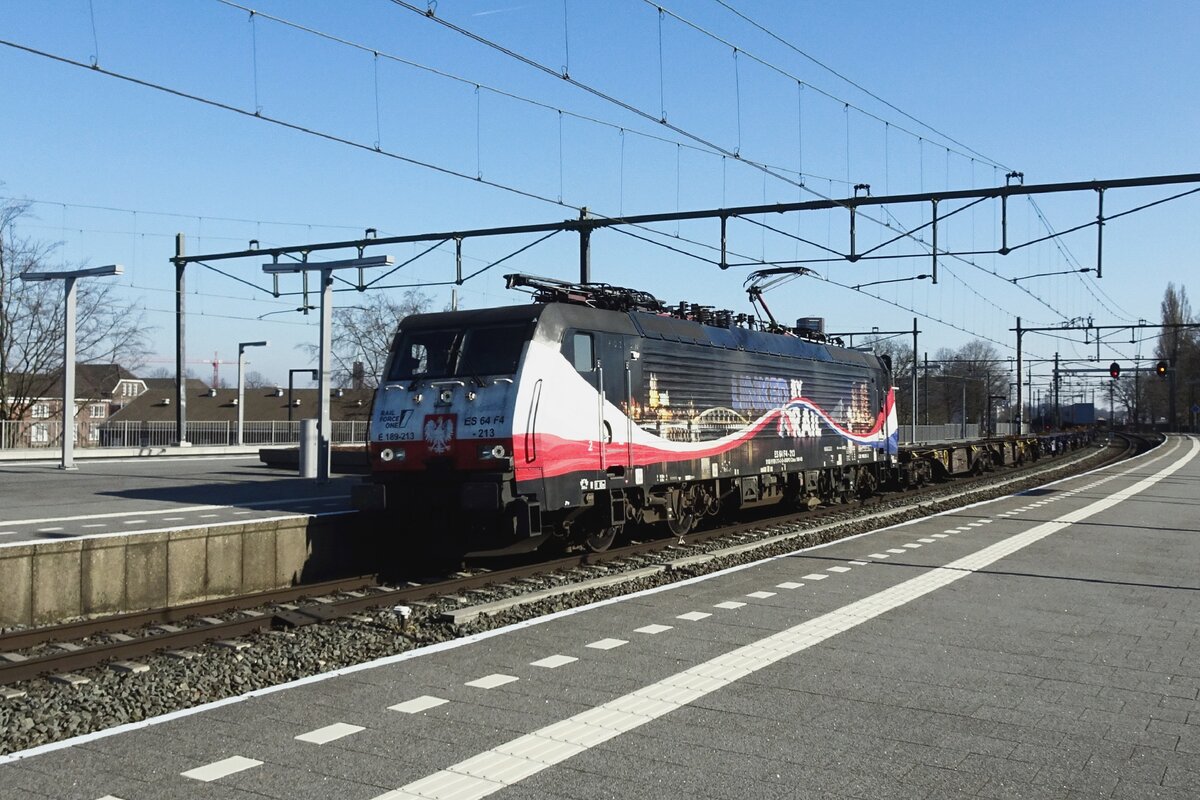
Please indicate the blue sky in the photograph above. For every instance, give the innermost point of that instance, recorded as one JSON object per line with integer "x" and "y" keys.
{"x": 1061, "y": 91}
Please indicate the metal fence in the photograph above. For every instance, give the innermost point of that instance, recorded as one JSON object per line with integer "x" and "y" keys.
{"x": 34, "y": 434}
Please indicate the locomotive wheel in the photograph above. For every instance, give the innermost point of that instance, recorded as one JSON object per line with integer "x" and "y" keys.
{"x": 601, "y": 540}
{"x": 683, "y": 524}
{"x": 867, "y": 483}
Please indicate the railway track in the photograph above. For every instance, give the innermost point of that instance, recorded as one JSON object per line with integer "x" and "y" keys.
{"x": 64, "y": 651}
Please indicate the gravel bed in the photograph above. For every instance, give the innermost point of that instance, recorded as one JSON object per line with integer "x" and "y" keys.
{"x": 50, "y": 711}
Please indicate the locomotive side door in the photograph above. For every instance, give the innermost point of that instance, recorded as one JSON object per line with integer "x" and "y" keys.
{"x": 600, "y": 359}
{"x": 584, "y": 349}
{"x": 614, "y": 387}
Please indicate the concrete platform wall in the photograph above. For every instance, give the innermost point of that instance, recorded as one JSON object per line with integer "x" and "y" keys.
{"x": 50, "y": 582}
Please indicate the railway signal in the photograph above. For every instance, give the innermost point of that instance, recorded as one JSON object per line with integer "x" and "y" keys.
{"x": 1114, "y": 370}
{"x": 1160, "y": 369}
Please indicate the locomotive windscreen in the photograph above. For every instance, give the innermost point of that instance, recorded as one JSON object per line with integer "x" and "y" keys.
{"x": 440, "y": 353}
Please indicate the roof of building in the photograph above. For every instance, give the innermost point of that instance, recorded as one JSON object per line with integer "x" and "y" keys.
{"x": 166, "y": 386}
{"x": 92, "y": 381}
{"x": 262, "y": 404}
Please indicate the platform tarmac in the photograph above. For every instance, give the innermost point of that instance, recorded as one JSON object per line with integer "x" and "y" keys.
{"x": 1043, "y": 645}
{"x": 39, "y": 502}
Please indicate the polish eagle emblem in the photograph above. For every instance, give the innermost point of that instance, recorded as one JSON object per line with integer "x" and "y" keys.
{"x": 439, "y": 433}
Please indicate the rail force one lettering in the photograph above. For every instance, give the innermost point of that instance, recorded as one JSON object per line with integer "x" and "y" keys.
{"x": 395, "y": 420}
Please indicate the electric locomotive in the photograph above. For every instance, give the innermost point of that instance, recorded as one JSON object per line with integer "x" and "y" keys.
{"x": 595, "y": 407}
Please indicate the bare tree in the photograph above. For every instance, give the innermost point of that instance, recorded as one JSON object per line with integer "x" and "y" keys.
{"x": 255, "y": 380}
{"x": 1180, "y": 348}
{"x": 363, "y": 334}
{"x": 32, "y": 325}
{"x": 901, "y": 356}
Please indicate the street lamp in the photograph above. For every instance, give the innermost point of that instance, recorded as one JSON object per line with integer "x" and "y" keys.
{"x": 241, "y": 390}
{"x": 68, "y": 407}
{"x": 326, "y": 269}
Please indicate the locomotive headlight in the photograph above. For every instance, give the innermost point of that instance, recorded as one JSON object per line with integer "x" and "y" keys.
{"x": 487, "y": 453}
{"x": 470, "y": 395}
{"x": 418, "y": 397}
{"x": 446, "y": 395}
{"x": 388, "y": 454}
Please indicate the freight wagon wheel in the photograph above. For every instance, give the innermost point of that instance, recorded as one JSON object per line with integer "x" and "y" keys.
{"x": 601, "y": 540}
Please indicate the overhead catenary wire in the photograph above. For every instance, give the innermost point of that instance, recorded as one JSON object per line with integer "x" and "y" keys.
{"x": 790, "y": 76}
{"x": 478, "y": 86}
{"x": 284, "y": 123}
{"x": 735, "y": 49}
{"x": 357, "y": 144}
{"x": 847, "y": 80}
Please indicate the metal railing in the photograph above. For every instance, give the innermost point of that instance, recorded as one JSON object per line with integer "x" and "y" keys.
{"x": 35, "y": 434}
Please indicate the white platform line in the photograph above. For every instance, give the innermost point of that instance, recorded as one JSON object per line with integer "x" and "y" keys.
{"x": 606, "y": 644}
{"x": 220, "y": 769}
{"x": 553, "y": 662}
{"x": 491, "y": 681}
{"x": 418, "y": 704}
{"x": 329, "y": 733}
{"x": 517, "y": 759}
{"x": 180, "y": 510}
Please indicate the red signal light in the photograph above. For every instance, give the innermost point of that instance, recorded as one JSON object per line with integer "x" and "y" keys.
{"x": 1114, "y": 370}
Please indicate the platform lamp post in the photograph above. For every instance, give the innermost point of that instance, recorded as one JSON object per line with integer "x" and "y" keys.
{"x": 241, "y": 417}
{"x": 291, "y": 380}
{"x": 68, "y": 406}
{"x": 326, "y": 269}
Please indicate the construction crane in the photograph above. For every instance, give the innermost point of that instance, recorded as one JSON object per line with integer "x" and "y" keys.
{"x": 215, "y": 361}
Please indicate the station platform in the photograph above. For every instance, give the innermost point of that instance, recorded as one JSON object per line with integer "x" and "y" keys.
{"x": 40, "y": 502}
{"x": 1042, "y": 645}
{"x": 121, "y": 535}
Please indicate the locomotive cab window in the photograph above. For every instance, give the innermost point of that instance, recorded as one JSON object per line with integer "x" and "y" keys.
{"x": 492, "y": 351}
{"x": 583, "y": 352}
{"x": 425, "y": 354}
